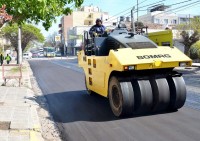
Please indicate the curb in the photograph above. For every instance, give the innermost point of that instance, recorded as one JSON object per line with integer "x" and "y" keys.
{"x": 195, "y": 64}
{"x": 49, "y": 129}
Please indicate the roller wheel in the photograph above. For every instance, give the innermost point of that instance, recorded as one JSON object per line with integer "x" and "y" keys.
{"x": 121, "y": 97}
{"x": 177, "y": 92}
{"x": 161, "y": 94}
{"x": 143, "y": 95}
{"x": 90, "y": 92}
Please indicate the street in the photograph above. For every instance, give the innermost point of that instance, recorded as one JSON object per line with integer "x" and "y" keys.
{"x": 89, "y": 118}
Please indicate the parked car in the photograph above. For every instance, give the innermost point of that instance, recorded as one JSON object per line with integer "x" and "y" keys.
{"x": 35, "y": 55}
{"x": 27, "y": 55}
{"x": 41, "y": 54}
{"x": 58, "y": 54}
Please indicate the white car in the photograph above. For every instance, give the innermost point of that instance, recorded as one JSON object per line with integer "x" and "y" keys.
{"x": 27, "y": 55}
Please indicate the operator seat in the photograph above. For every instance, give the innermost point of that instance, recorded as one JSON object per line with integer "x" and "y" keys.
{"x": 105, "y": 46}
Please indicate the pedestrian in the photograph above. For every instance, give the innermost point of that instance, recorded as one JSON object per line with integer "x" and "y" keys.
{"x": 8, "y": 59}
{"x": 1, "y": 59}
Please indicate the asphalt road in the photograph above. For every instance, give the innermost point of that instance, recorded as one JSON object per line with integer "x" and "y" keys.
{"x": 89, "y": 118}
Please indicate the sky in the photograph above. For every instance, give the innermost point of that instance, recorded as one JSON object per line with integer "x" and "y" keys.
{"x": 116, "y": 8}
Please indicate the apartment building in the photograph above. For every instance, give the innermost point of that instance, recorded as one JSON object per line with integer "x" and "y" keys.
{"x": 84, "y": 18}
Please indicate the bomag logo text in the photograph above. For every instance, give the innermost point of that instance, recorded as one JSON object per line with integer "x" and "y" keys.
{"x": 154, "y": 56}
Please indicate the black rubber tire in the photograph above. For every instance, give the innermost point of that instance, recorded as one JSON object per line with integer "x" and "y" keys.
{"x": 121, "y": 97}
{"x": 90, "y": 92}
{"x": 161, "y": 94}
{"x": 143, "y": 95}
{"x": 177, "y": 92}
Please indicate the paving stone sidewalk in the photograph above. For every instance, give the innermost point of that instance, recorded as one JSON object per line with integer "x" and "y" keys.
{"x": 18, "y": 115}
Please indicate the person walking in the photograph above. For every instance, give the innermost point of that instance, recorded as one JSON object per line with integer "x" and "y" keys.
{"x": 8, "y": 59}
{"x": 1, "y": 59}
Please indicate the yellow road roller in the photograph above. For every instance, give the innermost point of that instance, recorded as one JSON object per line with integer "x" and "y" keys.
{"x": 135, "y": 73}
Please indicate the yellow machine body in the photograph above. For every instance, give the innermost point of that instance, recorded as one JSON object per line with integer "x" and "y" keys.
{"x": 162, "y": 38}
{"x": 98, "y": 69}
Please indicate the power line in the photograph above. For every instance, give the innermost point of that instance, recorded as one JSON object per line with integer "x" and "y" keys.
{"x": 178, "y": 7}
{"x": 132, "y": 7}
{"x": 179, "y": 3}
{"x": 188, "y": 7}
{"x": 109, "y": 19}
{"x": 147, "y": 6}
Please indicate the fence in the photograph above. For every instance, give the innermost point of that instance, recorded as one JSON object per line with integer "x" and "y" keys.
{"x": 11, "y": 71}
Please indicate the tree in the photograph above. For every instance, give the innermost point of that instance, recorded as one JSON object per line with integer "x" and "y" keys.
{"x": 43, "y": 11}
{"x": 189, "y": 40}
{"x": 195, "y": 24}
{"x": 50, "y": 41}
{"x": 4, "y": 17}
{"x": 139, "y": 24}
{"x": 29, "y": 33}
{"x": 194, "y": 51}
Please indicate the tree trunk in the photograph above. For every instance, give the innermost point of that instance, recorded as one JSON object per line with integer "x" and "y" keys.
{"x": 186, "y": 50}
{"x": 19, "y": 46}
{"x": 17, "y": 56}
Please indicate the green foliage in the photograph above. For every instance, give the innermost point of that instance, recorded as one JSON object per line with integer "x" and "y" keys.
{"x": 194, "y": 51}
{"x": 27, "y": 47}
{"x": 183, "y": 27}
{"x": 29, "y": 33}
{"x": 195, "y": 24}
{"x": 43, "y": 11}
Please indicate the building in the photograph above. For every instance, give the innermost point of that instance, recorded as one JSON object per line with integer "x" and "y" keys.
{"x": 159, "y": 15}
{"x": 75, "y": 38}
{"x": 4, "y": 44}
{"x": 83, "y": 18}
{"x": 185, "y": 18}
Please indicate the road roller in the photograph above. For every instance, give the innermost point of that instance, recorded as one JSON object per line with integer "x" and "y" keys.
{"x": 134, "y": 71}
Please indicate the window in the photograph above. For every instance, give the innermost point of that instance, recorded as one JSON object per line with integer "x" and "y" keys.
{"x": 140, "y": 45}
{"x": 165, "y": 43}
{"x": 89, "y": 23}
{"x": 157, "y": 21}
{"x": 174, "y": 22}
{"x": 165, "y": 21}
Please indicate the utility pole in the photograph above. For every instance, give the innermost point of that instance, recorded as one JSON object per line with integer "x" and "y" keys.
{"x": 137, "y": 11}
{"x": 64, "y": 46}
{"x": 189, "y": 22}
{"x": 132, "y": 19}
{"x": 19, "y": 46}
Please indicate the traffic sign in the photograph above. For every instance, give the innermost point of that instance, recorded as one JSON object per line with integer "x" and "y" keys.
{"x": 57, "y": 38}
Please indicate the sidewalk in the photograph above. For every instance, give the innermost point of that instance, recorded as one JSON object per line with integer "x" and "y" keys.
{"x": 18, "y": 116}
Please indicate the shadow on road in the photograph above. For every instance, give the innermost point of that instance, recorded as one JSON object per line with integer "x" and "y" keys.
{"x": 74, "y": 106}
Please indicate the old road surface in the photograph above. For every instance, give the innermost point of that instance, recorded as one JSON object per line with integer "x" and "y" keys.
{"x": 89, "y": 118}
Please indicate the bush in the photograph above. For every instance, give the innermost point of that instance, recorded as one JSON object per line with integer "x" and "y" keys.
{"x": 194, "y": 51}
